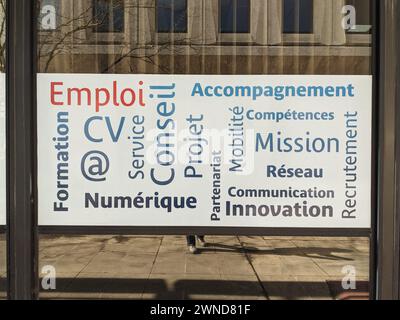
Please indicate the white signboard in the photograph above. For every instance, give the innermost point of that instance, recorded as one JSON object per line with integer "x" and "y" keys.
{"x": 204, "y": 150}
{"x": 3, "y": 207}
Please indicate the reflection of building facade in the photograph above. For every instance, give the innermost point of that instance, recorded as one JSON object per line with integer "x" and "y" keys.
{"x": 206, "y": 36}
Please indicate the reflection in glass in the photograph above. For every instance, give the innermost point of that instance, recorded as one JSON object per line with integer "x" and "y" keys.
{"x": 363, "y": 16}
{"x": 235, "y": 16}
{"x": 108, "y": 15}
{"x": 172, "y": 16}
{"x": 214, "y": 38}
{"x": 298, "y": 16}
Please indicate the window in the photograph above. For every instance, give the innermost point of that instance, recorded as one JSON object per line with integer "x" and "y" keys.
{"x": 172, "y": 16}
{"x": 111, "y": 266}
{"x": 108, "y": 15}
{"x": 298, "y": 16}
{"x": 234, "y": 16}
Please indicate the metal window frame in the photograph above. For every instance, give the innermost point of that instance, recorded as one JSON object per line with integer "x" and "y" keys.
{"x": 22, "y": 240}
{"x": 387, "y": 233}
{"x": 22, "y": 230}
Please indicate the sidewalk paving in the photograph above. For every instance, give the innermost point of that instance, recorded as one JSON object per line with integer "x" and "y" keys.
{"x": 230, "y": 267}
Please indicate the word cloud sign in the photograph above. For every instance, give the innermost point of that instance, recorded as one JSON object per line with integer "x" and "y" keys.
{"x": 204, "y": 150}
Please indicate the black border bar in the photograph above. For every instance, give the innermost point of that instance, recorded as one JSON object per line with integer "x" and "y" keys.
{"x": 387, "y": 253}
{"x": 240, "y": 231}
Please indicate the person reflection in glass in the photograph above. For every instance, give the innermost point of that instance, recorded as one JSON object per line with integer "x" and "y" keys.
{"x": 191, "y": 243}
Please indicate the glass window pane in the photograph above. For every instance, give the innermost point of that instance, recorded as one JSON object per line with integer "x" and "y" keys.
{"x": 172, "y": 16}
{"x": 3, "y": 255}
{"x": 242, "y": 16}
{"x": 227, "y": 15}
{"x": 180, "y": 15}
{"x": 234, "y": 16}
{"x": 298, "y": 16}
{"x": 108, "y": 15}
{"x": 224, "y": 47}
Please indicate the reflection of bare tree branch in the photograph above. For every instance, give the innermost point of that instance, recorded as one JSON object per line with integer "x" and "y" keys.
{"x": 72, "y": 36}
{"x": 150, "y": 52}
{"x": 58, "y": 41}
